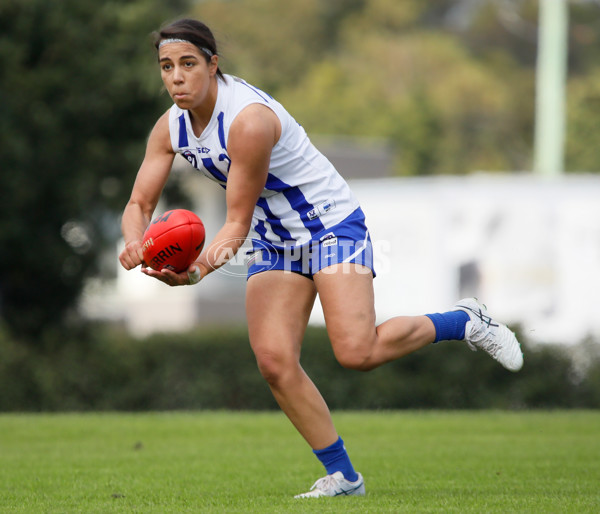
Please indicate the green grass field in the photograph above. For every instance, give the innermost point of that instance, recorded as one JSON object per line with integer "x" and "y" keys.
{"x": 255, "y": 462}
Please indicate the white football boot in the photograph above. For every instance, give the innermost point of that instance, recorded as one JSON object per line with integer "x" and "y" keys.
{"x": 492, "y": 337}
{"x": 335, "y": 485}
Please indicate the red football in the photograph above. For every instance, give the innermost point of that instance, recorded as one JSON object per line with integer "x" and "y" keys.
{"x": 173, "y": 240}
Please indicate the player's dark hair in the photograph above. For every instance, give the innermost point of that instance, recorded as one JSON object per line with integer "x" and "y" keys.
{"x": 193, "y": 31}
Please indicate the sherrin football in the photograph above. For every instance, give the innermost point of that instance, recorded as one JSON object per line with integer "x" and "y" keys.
{"x": 173, "y": 240}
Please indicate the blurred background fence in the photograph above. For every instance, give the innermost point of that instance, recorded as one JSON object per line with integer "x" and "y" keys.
{"x": 409, "y": 99}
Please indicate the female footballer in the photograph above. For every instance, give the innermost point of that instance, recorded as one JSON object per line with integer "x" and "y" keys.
{"x": 309, "y": 233}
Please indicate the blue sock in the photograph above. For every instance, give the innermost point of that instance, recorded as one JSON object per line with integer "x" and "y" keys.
{"x": 335, "y": 458}
{"x": 449, "y": 325}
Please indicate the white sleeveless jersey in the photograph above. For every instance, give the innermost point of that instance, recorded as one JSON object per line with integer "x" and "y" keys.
{"x": 304, "y": 194}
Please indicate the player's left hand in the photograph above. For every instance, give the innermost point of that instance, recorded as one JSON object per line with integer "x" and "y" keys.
{"x": 185, "y": 278}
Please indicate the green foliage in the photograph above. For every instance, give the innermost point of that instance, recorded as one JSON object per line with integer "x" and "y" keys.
{"x": 100, "y": 368}
{"x": 583, "y": 112}
{"x": 275, "y": 44}
{"x": 80, "y": 93}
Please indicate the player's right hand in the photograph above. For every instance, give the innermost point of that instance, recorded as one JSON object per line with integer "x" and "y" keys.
{"x": 132, "y": 255}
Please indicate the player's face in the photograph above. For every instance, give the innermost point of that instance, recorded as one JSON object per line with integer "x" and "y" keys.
{"x": 185, "y": 73}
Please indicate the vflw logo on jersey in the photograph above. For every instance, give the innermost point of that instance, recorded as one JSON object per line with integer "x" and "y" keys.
{"x": 190, "y": 155}
{"x": 191, "y": 158}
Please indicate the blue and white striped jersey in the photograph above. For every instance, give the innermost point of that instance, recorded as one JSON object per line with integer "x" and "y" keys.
{"x": 304, "y": 194}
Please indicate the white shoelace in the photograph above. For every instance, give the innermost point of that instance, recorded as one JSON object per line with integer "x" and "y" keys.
{"x": 325, "y": 483}
{"x": 492, "y": 346}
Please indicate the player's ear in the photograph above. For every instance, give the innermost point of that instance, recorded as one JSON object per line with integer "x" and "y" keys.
{"x": 213, "y": 65}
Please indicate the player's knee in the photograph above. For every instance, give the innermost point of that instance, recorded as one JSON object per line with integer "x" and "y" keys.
{"x": 270, "y": 368}
{"x": 355, "y": 362}
{"x": 353, "y": 355}
{"x": 273, "y": 368}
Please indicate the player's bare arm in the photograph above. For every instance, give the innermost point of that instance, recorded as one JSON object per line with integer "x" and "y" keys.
{"x": 151, "y": 178}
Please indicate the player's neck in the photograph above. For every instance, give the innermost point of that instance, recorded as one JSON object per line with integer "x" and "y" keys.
{"x": 201, "y": 115}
